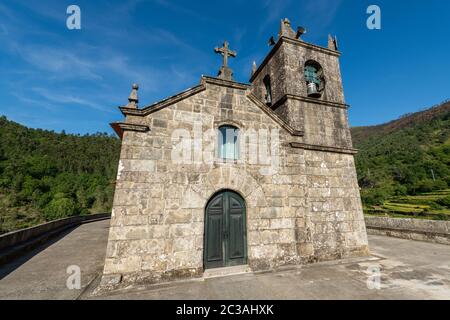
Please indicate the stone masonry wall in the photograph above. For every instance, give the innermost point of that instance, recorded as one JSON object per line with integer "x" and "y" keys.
{"x": 411, "y": 229}
{"x": 334, "y": 208}
{"x": 324, "y": 125}
{"x": 295, "y": 58}
{"x": 275, "y": 69}
{"x": 323, "y": 122}
{"x": 308, "y": 209}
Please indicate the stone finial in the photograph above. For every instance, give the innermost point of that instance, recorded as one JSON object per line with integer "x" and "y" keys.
{"x": 286, "y": 29}
{"x": 336, "y": 45}
{"x": 225, "y": 72}
{"x": 133, "y": 99}
{"x": 332, "y": 43}
{"x": 254, "y": 67}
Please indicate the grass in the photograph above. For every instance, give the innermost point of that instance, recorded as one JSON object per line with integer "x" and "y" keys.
{"x": 422, "y": 206}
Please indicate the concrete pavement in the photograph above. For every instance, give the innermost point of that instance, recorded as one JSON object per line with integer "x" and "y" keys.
{"x": 408, "y": 270}
{"x": 42, "y": 273}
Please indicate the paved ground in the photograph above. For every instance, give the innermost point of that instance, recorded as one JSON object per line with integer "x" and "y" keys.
{"x": 42, "y": 274}
{"x": 409, "y": 270}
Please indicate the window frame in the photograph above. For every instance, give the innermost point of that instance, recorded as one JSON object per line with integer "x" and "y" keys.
{"x": 223, "y": 153}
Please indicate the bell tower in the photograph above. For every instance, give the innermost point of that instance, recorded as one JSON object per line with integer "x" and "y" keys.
{"x": 305, "y": 87}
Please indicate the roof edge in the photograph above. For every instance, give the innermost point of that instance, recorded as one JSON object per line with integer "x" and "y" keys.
{"x": 163, "y": 103}
{"x": 274, "y": 116}
{"x": 225, "y": 83}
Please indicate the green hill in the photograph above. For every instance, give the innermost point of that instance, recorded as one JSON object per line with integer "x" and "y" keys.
{"x": 404, "y": 166}
{"x": 46, "y": 175}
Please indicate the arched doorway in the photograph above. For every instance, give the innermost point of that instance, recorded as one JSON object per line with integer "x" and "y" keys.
{"x": 225, "y": 240}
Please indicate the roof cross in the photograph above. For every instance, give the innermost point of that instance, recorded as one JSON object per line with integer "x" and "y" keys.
{"x": 225, "y": 72}
{"x": 225, "y": 52}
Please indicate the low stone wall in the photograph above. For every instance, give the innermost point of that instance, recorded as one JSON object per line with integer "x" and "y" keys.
{"x": 412, "y": 229}
{"x": 16, "y": 242}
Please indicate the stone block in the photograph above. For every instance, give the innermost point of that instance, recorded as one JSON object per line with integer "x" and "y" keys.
{"x": 178, "y": 216}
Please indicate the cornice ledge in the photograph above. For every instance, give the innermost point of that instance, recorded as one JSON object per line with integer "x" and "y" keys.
{"x": 310, "y": 100}
{"x": 121, "y": 127}
{"x": 306, "y": 146}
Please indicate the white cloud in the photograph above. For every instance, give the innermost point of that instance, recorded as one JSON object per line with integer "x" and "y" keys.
{"x": 61, "y": 63}
{"x": 55, "y": 69}
{"x": 68, "y": 99}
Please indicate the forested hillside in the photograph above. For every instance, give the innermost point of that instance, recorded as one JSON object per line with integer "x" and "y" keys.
{"x": 403, "y": 167}
{"x": 406, "y": 157}
{"x": 46, "y": 175}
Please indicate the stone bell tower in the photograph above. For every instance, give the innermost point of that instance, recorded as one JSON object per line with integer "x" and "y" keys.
{"x": 302, "y": 83}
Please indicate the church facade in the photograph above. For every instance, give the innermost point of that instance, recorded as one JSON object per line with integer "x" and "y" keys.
{"x": 226, "y": 173}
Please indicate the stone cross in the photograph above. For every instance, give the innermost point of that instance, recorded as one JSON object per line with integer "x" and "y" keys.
{"x": 225, "y": 72}
{"x": 225, "y": 52}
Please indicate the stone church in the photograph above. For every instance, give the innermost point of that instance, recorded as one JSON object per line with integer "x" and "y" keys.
{"x": 228, "y": 174}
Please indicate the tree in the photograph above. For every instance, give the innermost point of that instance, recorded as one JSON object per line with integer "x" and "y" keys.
{"x": 60, "y": 208}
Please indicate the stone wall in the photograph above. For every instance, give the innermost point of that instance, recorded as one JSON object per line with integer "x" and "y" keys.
{"x": 274, "y": 67}
{"x": 324, "y": 120}
{"x": 297, "y": 54}
{"x": 411, "y": 229}
{"x": 307, "y": 210}
{"x": 334, "y": 209}
{"x": 325, "y": 125}
{"x": 286, "y": 67}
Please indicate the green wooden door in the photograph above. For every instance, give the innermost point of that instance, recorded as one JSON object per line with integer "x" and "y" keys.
{"x": 225, "y": 231}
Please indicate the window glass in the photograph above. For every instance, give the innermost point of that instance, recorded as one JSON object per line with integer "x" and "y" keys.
{"x": 228, "y": 143}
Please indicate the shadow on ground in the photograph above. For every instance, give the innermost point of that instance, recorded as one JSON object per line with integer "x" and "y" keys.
{"x": 407, "y": 270}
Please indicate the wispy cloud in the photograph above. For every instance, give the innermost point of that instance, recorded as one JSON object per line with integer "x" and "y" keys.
{"x": 6, "y": 12}
{"x": 183, "y": 10}
{"x": 3, "y": 30}
{"x": 35, "y": 102}
{"x": 48, "y": 68}
{"x": 321, "y": 13}
{"x": 61, "y": 63}
{"x": 68, "y": 99}
{"x": 274, "y": 11}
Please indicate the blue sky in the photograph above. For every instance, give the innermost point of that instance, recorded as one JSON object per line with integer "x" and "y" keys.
{"x": 55, "y": 78}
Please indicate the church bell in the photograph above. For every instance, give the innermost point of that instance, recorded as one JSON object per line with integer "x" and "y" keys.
{"x": 312, "y": 90}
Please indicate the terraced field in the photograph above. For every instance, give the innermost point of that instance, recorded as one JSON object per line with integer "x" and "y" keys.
{"x": 432, "y": 205}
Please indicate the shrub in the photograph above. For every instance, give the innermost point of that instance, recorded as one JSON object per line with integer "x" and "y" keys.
{"x": 373, "y": 197}
{"x": 60, "y": 208}
{"x": 442, "y": 217}
{"x": 444, "y": 201}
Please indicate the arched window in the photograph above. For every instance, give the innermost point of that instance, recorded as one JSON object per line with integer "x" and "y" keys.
{"x": 315, "y": 80}
{"x": 228, "y": 137}
{"x": 268, "y": 87}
